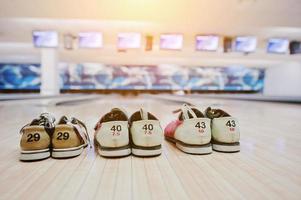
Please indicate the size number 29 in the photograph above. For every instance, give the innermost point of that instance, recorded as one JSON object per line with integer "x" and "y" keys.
{"x": 62, "y": 136}
{"x": 33, "y": 137}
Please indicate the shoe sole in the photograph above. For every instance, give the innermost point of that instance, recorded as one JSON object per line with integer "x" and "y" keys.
{"x": 34, "y": 155}
{"x": 195, "y": 150}
{"x": 68, "y": 152}
{"x": 229, "y": 148}
{"x": 146, "y": 152}
{"x": 114, "y": 153}
{"x": 142, "y": 151}
{"x": 191, "y": 149}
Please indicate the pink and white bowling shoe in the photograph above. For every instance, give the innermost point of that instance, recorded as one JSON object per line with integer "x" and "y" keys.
{"x": 191, "y": 132}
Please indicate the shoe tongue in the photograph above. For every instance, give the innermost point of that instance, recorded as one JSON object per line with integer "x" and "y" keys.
{"x": 44, "y": 118}
{"x": 47, "y": 116}
{"x": 35, "y": 122}
{"x": 115, "y": 114}
{"x": 63, "y": 120}
{"x": 216, "y": 113}
{"x": 119, "y": 110}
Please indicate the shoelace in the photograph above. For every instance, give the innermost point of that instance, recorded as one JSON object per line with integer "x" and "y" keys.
{"x": 185, "y": 109}
{"x": 179, "y": 110}
{"x": 45, "y": 119}
{"x": 143, "y": 114}
{"x": 76, "y": 121}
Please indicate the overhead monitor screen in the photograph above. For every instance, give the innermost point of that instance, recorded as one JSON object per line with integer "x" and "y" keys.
{"x": 45, "y": 39}
{"x": 129, "y": 40}
{"x": 277, "y": 45}
{"x": 245, "y": 44}
{"x": 90, "y": 40}
{"x": 171, "y": 41}
{"x": 207, "y": 42}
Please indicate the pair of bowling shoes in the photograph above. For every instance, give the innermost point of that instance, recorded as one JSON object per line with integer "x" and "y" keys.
{"x": 195, "y": 132}
{"x": 116, "y": 135}
{"x": 42, "y": 138}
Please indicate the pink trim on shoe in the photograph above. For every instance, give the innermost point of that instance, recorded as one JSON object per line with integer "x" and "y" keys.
{"x": 170, "y": 129}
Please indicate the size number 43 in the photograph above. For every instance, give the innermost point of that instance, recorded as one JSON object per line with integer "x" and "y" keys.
{"x": 200, "y": 125}
{"x": 231, "y": 123}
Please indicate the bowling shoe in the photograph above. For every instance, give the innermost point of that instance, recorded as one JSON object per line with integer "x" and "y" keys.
{"x": 36, "y": 138}
{"x": 69, "y": 139}
{"x": 191, "y": 132}
{"x": 146, "y": 134}
{"x": 225, "y": 131}
{"x": 112, "y": 134}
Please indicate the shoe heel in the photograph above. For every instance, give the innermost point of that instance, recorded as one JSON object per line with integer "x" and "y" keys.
{"x": 34, "y": 155}
{"x": 230, "y": 148}
{"x": 114, "y": 153}
{"x": 146, "y": 151}
{"x": 68, "y": 152}
{"x": 195, "y": 149}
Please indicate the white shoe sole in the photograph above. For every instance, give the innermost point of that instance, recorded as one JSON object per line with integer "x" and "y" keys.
{"x": 34, "y": 155}
{"x": 114, "y": 153}
{"x": 226, "y": 148}
{"x": 146, "y": 152}
{"x": 195, "y": 150}
{"x": 67, "y": 153}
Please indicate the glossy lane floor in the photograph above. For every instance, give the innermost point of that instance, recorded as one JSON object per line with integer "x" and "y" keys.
{"x": 268, "y": 166}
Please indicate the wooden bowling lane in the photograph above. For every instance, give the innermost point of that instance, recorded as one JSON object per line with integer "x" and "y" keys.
{"x": 268, "y": 166}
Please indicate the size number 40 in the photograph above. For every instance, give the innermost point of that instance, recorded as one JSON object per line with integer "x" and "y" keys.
{"x": 231, "y": 123}
{"x": 116, "y": 130}
{"x": 148, "y": 128}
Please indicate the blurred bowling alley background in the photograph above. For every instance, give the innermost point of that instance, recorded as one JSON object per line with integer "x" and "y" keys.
{"x": 192, "y": 46}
